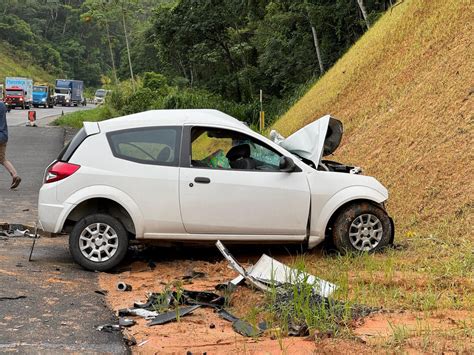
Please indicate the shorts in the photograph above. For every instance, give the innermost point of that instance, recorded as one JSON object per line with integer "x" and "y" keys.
{"x": 3, "y": 150}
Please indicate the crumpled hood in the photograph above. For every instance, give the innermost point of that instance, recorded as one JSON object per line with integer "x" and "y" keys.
{"x": 313, "y": 141}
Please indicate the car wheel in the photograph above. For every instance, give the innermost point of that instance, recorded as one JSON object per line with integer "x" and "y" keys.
{"x": 98, "y": 242}
{"x": 362, "y": 227}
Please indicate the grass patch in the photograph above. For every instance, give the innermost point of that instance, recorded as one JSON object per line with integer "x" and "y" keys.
{"x": 11, "y": 65}
{"x": 76, "y": 119}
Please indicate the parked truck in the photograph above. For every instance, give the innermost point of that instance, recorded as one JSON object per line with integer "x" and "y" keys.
{"x": 18, "y": 93}
{"x": 69, "y": 92}
{"x": 43, "y": 96}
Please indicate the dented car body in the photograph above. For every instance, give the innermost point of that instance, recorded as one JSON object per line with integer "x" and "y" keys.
{"x": 201, "y": 175}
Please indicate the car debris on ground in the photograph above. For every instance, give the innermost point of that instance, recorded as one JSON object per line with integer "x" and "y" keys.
{"x": 267, "y": 275}
{"x": 122, "y": 286}
{"x": 14, "y": 230}
{"x": 268, "y": 272}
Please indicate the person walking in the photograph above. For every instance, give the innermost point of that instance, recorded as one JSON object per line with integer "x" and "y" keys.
{"x": 3, "y": 147}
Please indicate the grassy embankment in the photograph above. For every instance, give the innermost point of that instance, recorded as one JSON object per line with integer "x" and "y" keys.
{"x": 12, "y": 66}
{"x": 404, "y": 92}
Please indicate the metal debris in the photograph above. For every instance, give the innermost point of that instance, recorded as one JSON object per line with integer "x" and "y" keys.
{"x": 246, "y": 329}
{"x": 139, "y": 312}
{"x": 126, "y": 322}
{"x": 268, "y": 272}
{"x": 11, "y": 298}
{"x": 173, "y": 315}
{"x": 108, "y": 328}
{"x": 122, "y": 286}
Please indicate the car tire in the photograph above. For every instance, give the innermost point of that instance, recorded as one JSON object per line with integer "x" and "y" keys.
{"x": 362, "y": 227}
{"x": 98, "y": 242}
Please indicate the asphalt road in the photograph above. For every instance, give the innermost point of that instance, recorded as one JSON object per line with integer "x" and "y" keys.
{"x": 60, "y": 310}
{"x": 44, "y": 116}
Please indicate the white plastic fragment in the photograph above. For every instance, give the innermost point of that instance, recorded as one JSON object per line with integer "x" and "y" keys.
{"x": 268, "y": 271}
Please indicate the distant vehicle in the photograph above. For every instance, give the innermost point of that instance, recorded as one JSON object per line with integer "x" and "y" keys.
{"x": 201, "y": 175}
{"x": 99, "y": 97}
{"x": 43, "y": 96}
{"x": 18, "y": 92}
{"x": 69, "y": 92}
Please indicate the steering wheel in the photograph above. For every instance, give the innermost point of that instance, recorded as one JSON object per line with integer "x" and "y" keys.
{"x": 141, "y": 149}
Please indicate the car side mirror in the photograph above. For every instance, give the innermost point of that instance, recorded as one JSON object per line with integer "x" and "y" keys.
{"x": 287, "y": 165}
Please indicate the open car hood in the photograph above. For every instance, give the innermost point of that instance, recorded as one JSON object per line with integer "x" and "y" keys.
{"x": 313, "y": 141}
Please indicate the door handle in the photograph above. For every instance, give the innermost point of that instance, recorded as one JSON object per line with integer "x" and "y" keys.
{"x": 202, "y": 180}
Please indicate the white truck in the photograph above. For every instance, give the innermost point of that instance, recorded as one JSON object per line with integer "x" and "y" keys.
{"x": 18, "y": 92}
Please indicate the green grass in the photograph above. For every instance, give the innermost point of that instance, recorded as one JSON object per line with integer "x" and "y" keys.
{"x": 77, "y": 118}
{"x": 11, "y": 65}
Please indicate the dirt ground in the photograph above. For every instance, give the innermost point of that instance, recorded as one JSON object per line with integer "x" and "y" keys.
{"x": 205, "y": 332}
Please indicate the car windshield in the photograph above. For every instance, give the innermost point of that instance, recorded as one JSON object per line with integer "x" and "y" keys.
{"x": 100, "y": 93}
{"x": 14, "y": 92}
{"x": 61, "y": 91}
{"x": 40, "y": 89}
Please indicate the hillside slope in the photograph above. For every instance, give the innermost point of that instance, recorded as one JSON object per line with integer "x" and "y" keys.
{"x": 13, "y": 66}
{"x": 405, "y": 94}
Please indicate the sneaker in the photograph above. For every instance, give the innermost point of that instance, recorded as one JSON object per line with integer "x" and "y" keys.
{"x": 16, "y": 181}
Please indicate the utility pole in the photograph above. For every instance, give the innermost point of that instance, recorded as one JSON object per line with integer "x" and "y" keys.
{"x": 364, "y": 12}
{"x": 128, "y": 47}
{"x": 318, "y": 52}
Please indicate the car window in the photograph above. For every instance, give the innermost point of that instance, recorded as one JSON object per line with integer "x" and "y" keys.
{"x": 150, "y": 145}
{"x": 226, "y": 149}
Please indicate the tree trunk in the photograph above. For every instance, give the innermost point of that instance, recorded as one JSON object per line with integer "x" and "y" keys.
{"x": 114, "y": 70}
{"x": 364, "y": 12}
{"x": 128, "y": 48}
{"x": 318, "y": 51}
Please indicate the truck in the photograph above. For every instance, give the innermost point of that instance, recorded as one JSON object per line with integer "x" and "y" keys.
{"x": 43, "y": 95}
{"x": 69, "y": 92}
{"x": 18, "y": 93}
{"x": 99, "y": 97}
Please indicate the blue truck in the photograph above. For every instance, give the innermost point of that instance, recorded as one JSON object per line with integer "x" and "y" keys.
{"x": 43, "y": 96}
{"x": 69, "y": 92}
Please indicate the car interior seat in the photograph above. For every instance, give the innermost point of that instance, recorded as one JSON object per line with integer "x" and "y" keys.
{"x": 239, "y": 157}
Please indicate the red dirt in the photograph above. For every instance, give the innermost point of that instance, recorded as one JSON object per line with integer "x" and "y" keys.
{"x": 194, "y": 332}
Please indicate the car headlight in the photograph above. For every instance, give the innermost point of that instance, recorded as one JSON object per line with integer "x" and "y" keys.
{"x": 43, "y": 99}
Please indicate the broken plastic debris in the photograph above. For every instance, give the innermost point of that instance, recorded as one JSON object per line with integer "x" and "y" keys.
{"x": 246, "y": 329}
{"x": 108, "y": 328}
{"x": 270, "y": 272}
{"x": 173, "y": 315}
{"x": 126, "y": 322}
{"x": 240, "y": 269}
{"x": 139, "y": 312}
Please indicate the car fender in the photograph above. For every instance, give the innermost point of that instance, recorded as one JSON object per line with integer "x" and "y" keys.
{"x": 108, "y": 192}
{"x": 351, "y": 193}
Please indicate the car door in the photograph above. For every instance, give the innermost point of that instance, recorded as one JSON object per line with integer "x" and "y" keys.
{"x": 244, "y": 195}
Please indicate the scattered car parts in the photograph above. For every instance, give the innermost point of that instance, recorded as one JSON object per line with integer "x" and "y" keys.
{"x": 122, "y": 286}
{"x": 268, "y": 272}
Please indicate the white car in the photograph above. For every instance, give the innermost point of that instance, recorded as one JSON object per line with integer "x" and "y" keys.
{"x": 200, "y": 176}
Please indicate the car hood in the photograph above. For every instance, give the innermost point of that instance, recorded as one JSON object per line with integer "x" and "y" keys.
{"x": 313, "y": 141}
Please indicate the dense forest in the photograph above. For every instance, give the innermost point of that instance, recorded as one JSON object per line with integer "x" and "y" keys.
{"x": 223, "y": 50}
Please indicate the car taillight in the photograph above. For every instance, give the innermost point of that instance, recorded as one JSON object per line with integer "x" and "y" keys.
{"x": 59, "y": 171}
{"x": 21, "y": 99}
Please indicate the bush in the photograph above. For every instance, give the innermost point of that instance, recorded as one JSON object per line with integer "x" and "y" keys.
{"x": 156, "y": 82}
{"x": 140, "y": 100}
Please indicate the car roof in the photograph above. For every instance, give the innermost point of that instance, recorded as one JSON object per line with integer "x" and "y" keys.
{"x": 172, "y": 118}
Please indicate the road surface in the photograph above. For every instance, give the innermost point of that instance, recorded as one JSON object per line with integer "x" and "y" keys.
{"x": 58, "y": 310}
{"x": 44, "y": 116}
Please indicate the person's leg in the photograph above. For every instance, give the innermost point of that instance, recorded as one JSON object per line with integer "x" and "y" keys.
{"x": 9, "y": 166}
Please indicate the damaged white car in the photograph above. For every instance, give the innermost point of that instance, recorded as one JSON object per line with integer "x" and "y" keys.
{"x": 200, "y": 176}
